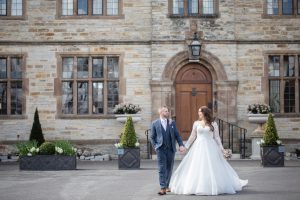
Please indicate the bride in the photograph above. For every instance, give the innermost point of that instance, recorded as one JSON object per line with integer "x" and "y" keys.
{"x": 204, "y": 170}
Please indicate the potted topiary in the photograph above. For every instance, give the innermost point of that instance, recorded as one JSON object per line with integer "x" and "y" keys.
{"x": 128, "y": 147}
{"x": 272, "y": 150}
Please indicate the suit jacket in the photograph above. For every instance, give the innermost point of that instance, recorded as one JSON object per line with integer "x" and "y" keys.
{"x": 156, "y": 136}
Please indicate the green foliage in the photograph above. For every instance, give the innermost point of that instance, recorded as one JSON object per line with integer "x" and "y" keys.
{"x": 36, "y": 130}
{"x": 47, "y": 148}
{"x": 270, "y": 135}
{"x": 28, "y": 148}
{"x": 128, "y": 136}
{"x": 63, "y": 147}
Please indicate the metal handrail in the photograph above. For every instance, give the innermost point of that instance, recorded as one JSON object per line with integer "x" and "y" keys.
{"x": 234, "y": 131}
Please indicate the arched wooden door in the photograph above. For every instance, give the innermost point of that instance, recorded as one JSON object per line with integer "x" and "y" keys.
{"x": 193, "y": 90}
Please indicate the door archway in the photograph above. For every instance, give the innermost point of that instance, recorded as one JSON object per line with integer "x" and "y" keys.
{"x": 193, "y": 89}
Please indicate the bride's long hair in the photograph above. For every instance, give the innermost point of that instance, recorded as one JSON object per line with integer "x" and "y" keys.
{"x": 207, "y": 116}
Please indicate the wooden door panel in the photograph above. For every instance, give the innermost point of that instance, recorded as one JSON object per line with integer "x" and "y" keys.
{"x": 189, "y": 98}
{"x": 184, "y": 108}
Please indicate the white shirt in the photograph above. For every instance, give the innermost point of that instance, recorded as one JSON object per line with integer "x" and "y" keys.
{"x": 164, "y": 123}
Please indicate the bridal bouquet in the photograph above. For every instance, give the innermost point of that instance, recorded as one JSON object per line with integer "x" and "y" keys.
{"x": 227, "y": 153}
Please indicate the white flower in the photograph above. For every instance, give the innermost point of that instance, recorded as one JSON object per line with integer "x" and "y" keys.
{"x": 279, "y": 142}
{"x": 32, "y": 149}
{"x": 137, "y": 144}
{"x": 29, "y": 154}
{"x": 37, "y": 150}
{"x": 118, "y": 145}
{"x": 74, "y": 149}
{"x": 59, "y": 150}
{"x": 262, "y": 141}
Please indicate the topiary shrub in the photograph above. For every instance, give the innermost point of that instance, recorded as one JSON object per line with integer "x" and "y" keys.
{"x": 128, "y": 136}
{"x": 47, "y": 148}
{"x": 36, "y": 130}
{"x": 270, "y": 135}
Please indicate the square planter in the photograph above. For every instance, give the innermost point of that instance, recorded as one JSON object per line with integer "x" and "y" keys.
{"x": 272, "y": 156}
{"x": 129, "y": 158}
{"x": 47, "y": 162}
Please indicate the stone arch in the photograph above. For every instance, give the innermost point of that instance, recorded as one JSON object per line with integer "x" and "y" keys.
{"x": 211, "y": 62}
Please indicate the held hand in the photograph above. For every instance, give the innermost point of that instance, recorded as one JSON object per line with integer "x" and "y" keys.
{"x": 182, "y": 149}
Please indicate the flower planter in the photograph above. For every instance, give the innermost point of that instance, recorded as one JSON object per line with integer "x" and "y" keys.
{"x": 272, "y": 156}
{"x": 129, "y": 158}
{"x": 123, "y": 117}
{"x": 47, "y": 162}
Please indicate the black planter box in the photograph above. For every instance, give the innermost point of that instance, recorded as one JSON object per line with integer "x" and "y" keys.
{"x": 129, "y": 158}
{"x": 272, "y": 156}
{"x": 47, "y": 162}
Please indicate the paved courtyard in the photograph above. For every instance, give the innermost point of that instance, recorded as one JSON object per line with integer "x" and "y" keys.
{"x": 103, "y": 181}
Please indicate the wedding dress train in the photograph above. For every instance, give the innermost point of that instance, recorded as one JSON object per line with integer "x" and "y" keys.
{"x": 204, "y": 171}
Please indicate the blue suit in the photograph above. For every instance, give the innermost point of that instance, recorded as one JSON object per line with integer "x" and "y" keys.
{"x": 164, "y": 143}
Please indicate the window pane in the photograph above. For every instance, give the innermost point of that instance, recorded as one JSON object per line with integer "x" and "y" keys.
{"x": 98, "y": 97}
{"x": 3, "y": 98}
{"x": 274, "y": 95}
{"x": 67, "y": 7}
{"x": 193, "y": 6}
{"x": 113, "y": 67}
{"x": 97, "y": 67}
{"x": 289, "y": 96}
{"x": 112, "y": 96}
{"x": 208, "y": 7}
{"x": 289, "y": 65}
{"x": 16, "y": 68}
{"x": 16, "y": 8}
{"x": 3, "y": 8}
{"x": 82, "y": 98}
{"x": 3, "y": 68}
{"x": 97, "y": 7}
{"x": 272, "y": 7}
{"x": 16, "y": 98}
{"x": 274, "y": 62}
{"x": 178, "y": 7}
{"x": 67, "y": 68}
{"x": 287, "y": 7}
{"x": 82, "y": 67}
{"x": 112, "y": 7}
{"x": 82, "y": 7}
{"x": 298, "y": 6}
{"x": 67, "y": 97}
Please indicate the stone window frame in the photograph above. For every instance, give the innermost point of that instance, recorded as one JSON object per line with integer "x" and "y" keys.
{"x": 89, "y": 15}
{"x": 199, "y": 15}
{"x": 295, "y": 14}
{"x": 25, "y": 83}
{"x": 59, "y": 79}
{"x": 267, "y": 78}
{"x": 8, "y": 15}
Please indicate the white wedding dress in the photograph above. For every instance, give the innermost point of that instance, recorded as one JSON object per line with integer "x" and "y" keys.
{"x": 204, "y": 171}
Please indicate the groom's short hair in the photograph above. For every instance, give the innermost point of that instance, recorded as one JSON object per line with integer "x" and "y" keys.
{"x": 160, "y": 109}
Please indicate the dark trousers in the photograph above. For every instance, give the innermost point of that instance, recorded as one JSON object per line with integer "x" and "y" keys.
{"x": 165, "y": 158}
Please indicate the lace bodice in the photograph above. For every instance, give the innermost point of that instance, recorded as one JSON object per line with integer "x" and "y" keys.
{"x": 200, "y": 131}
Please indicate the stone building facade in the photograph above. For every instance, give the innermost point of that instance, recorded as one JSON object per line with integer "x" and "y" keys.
{"x": 50, "y": 44}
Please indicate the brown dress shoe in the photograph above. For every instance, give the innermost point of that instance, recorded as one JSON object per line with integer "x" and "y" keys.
{"x": 162, "y": 191}
{"x": 168, "y": 190}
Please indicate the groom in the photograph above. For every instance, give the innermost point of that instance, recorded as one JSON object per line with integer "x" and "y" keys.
{"x": 163, "y": 136}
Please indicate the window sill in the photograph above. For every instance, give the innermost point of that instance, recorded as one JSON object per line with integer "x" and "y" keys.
{"x": 12, "y": 117}
{"x": 62, "y": 17}
{"x": 193, "y": 16}
{"x": 286, "y": 115}
{"x": 266, "y": 16}
{"x": 13, "y": 18}
{"x": 72, "y": 116}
